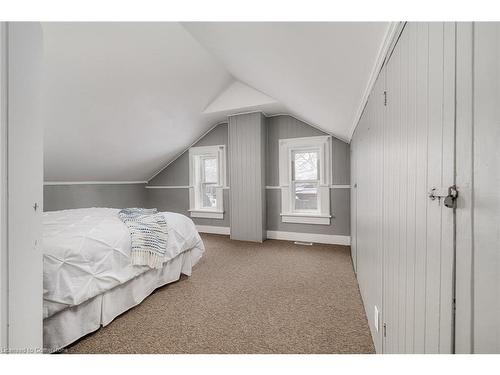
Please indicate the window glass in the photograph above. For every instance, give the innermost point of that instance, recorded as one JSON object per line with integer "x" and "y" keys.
{"x": 209, "y": 195}
{"x": 306, "y": 196}
{"x": 305, "y": 165}
{"x": 209, "y": 166}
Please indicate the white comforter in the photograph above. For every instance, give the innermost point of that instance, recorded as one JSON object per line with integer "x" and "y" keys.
{"x": 87, "y": 252}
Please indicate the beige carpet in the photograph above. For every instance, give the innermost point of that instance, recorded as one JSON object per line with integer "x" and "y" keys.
{"x": 244, "y": 297}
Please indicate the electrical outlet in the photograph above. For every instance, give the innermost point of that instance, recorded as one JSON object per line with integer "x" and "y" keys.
{"x": 376, "y": 318}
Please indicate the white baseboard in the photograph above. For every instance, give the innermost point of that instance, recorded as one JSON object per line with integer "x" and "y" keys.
{"x": 309, "y": 237}
{"x": 287, "y": 236}
{"x": 212, "y": 229}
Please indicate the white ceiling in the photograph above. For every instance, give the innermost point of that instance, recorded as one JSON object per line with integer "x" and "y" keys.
{"x": 318, "y": 70}
{"x": 123, "y": 99}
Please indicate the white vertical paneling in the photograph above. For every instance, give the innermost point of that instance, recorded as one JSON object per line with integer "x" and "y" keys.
{"x": 421, "y": 199}
{"x": 411, "y": 183}
{"x": 434, "y": 178}
{"x": 4, "y": 311}
{"x": 448, "y": 179}
{"x": 369, "y": 218}
{"x": 486, "y": 192}
{"x": 464, "y": 141}
{"x": 247, "y": 173}
{"x": 353, "y": 207}
{"x": 25, "y": 184}
{"x": 401, "y": 151}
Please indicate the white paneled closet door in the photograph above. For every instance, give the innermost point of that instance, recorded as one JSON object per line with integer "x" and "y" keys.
{"x": 418, "y": 157}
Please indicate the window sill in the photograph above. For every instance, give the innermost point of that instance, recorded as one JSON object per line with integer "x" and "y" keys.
{"x": 298, "y": 218}
{"x": 207, "y": 214}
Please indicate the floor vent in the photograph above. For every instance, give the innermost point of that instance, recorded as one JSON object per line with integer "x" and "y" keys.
{"x": 303, "y": 243}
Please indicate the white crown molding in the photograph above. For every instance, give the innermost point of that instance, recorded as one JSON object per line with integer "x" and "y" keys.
{"x": 385, "y": 48}
{"x": 50, "y": 183}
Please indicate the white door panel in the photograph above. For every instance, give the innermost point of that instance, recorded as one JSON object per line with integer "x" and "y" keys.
{"x": 418, "y": 235}
{"x": 25, "y": 182}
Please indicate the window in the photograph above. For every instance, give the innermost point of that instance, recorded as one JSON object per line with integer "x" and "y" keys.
{"x": 305, "y": 180}
{"x": 208, "y": 182}
{"x": 207, "y": 171}
{"x": 304, "y": 171}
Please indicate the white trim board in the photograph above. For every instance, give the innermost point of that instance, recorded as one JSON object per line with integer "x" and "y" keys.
{"x": 213, "y": 229}
{"x": 49, "y": 183}
{"x": 175, "y": 187}
{"x": 331, "y": 187}
{"x": 207, "y": 214}
{"x": 167, "y": 187}
{"x": 309, "y": 237}
{"x": 330, "y": 239}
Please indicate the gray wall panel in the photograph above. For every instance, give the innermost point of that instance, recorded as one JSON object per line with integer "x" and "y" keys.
{"x": 274, "y": 128}
{"x": 246, "y": 153}
{"x": 340, "y": 209}
{"x": 177, "y": 173}
{"x": 60, "y": 197}
{"x": 281, "y": 127}
{"x": 177, "y": 200}
{"x": 341, "y": 162}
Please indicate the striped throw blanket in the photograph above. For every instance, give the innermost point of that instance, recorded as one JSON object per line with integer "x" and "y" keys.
{"x": 148, "y": 233}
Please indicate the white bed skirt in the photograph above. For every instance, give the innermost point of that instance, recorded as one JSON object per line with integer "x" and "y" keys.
{"x": 69, "y": 325}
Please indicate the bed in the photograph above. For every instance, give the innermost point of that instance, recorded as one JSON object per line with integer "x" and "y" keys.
{"x": 88, "y": 277}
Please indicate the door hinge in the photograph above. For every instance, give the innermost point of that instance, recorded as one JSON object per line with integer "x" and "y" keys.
{"x": 385, "y": 98}
{"x": 384, "y": 329}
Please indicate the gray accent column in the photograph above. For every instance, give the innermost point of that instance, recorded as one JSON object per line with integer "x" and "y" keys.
{"x": 247, "y": 141}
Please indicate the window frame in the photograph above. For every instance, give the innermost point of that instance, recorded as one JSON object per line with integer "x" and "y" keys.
{"x": 287, "y": 149}
{"x": 196, "y": 181}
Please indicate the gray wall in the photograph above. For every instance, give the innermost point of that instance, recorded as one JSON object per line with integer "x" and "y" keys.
{"x": 177, "y": 200}
{"x": 283, "y": 126}
{"x": 276, "y": 127}
{"x": 247, "y": 176}
{"x": 60, "y": 197}
{"x": 340, "y": 211}
{"x": 177, "y": 174}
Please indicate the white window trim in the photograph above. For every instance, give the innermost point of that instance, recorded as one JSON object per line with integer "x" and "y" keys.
{"x": 286, "y": 147}
{"x": 219, "y": 152}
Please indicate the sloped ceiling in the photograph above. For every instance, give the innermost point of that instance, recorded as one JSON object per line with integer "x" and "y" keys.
{"x": 318, "y": 70}
{"x": 123, "y": 99}
{"x": 238, "y": 96}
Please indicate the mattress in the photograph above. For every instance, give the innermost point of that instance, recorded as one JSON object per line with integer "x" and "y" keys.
{"x": 68, "y": 325}
{"x": 86, "y": 252}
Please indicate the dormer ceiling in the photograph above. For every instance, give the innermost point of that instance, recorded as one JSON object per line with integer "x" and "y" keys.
{"x": 123, "y": 99}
